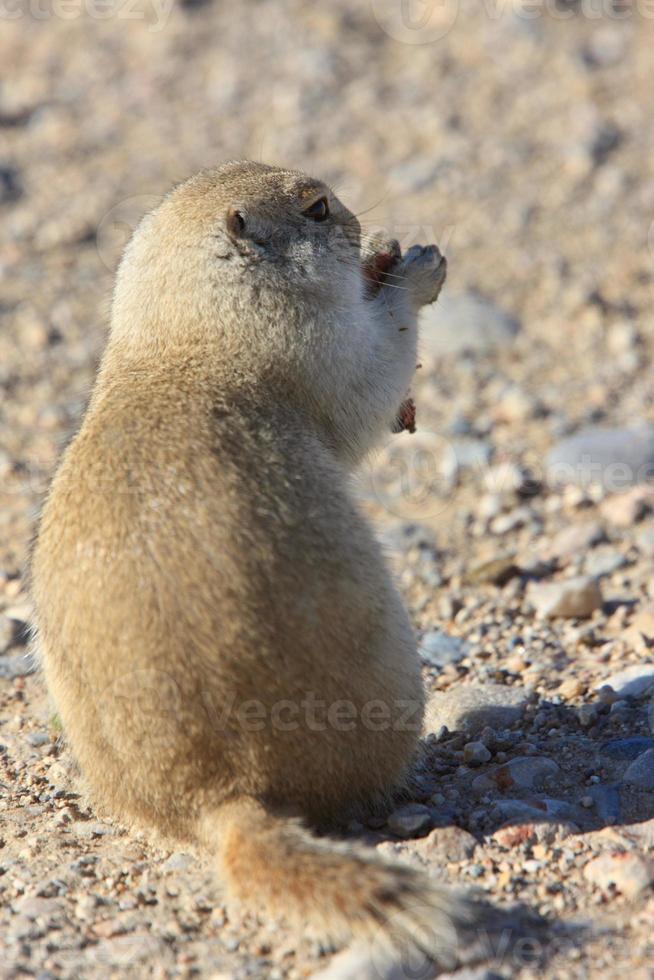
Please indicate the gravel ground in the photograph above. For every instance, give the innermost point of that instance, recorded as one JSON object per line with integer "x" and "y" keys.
{"x": 520, "y": 516}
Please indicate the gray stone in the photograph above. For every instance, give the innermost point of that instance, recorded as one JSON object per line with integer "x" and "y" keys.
{"x": 471, "y": 708}
{"x": 626, "y": 748}
{"x": 411, "y": 820}
{"x": 37, "y": 739}
{"x": 576, "y": 538}
{"x": 515, "y": 811}
{"x": 614, "y": 459}
{"x": 587, "y": 714}
{"x": 604, "y": 561}
{"x": 573, "y": 598}
{"x": 476, "y": 754}
{"x": 18, "y": 666}
{"x": 641, "y": 771}
{"x": 523, "y": 772}
{"x": 464, "y": 454}
{"x": 445, "y": 844}
{"x": 606, "y": 797}
{"x": 465, "y": 322}
{"x": 439, "y": 648}
{"x": 178, "y": 862}
{"x": 634, "y": 680}
{"x": 559, "y": 810}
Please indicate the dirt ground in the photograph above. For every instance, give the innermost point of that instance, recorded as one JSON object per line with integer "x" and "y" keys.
{"x": 519, "y": 137}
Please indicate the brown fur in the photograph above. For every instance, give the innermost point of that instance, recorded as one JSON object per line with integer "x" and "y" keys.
{"x": 201, "y": 571}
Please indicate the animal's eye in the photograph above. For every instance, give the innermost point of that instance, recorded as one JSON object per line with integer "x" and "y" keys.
{"x": 318, "y": 211}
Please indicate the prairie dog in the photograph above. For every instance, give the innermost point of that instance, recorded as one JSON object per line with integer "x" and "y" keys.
{"x": 217, "y": 628}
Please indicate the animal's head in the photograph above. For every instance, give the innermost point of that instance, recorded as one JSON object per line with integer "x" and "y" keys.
{"x": 239, "y": 242}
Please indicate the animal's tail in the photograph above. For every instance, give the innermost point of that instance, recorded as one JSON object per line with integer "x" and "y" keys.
{"x": 271, "y": 864}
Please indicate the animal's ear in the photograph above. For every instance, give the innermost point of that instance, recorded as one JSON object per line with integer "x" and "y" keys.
{"x": 235, "y": 222}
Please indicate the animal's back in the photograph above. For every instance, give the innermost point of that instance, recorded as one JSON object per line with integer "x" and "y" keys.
{"x": 216, "y": 600}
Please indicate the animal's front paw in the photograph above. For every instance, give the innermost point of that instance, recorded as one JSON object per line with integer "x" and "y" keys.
{"x": 424, "y": 269}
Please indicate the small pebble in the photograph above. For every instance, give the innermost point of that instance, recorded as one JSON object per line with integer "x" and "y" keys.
{"x": 475, "y": 754}
{"x": 412, "y": 820}
{"x": 587, "y": 714}
{"x": 572, "y": 687}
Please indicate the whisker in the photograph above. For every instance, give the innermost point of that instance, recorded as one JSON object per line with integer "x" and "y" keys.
{"x": 356, "y": 267}
{"x": 393, "y": 275}
{"x": 372, "y": 207}
{"x": 393, "y": 285}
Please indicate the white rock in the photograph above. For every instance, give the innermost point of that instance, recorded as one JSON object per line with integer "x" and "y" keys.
{"x": 471, "y": 708}
{"x": 630, "y": 873}
{"x": 573, "y": 598}
{"x": 634, "y": 680}
{"x": 465, "y": 322}
{"x": 615, "y": 459}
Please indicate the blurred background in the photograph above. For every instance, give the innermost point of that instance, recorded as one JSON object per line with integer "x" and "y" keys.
{"x": 517, "y": 135}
